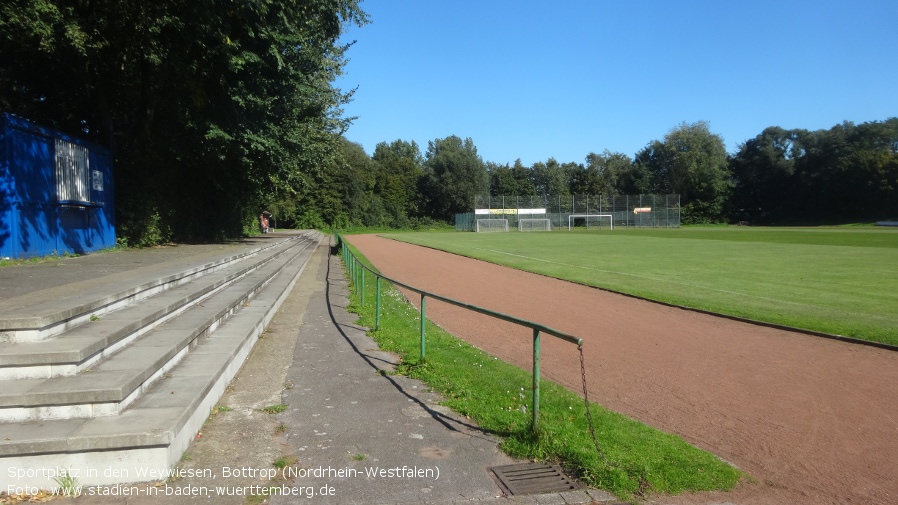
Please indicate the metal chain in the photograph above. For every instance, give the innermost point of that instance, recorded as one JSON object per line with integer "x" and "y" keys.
{"x": 592, "y": 429}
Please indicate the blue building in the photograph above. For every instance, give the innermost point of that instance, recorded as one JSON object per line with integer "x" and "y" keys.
{"x": 56, "y": 192}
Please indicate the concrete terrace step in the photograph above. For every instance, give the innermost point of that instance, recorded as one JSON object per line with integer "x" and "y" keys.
{"x": 80, "y": 347}
{"x": 118, "y": 380}
{"x": 25, "y": 320}
{"x": 156, "y": 427}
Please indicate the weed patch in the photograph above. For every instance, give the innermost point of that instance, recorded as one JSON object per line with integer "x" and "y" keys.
{"x": 284, "y": 462}
{"x": 274, "y": 409}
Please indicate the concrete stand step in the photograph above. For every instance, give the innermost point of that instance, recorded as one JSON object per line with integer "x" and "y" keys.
{"x": 25, "y": 320}
{"x": 140, "y": 407}
{"x": 80, "y": 347}
{"x": 115, "y": 382}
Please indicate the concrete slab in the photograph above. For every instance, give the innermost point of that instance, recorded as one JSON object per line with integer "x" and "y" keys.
{"x": 37, "y": 436}
{"x": 71, "y": 349}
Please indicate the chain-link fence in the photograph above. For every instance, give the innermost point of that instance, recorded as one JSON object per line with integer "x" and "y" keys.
{"x": 626, "y": 211}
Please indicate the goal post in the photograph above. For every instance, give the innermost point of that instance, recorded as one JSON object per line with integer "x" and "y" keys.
{"x": 595, "y": 220}
{"x": 488, "y": 225}
{"x": 534, "y": 224}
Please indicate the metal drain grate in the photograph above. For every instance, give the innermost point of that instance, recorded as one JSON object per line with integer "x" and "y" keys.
{"x": 533, "y": 478}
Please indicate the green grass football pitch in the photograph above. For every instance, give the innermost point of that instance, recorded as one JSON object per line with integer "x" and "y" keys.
{"x": 841, "y": 280}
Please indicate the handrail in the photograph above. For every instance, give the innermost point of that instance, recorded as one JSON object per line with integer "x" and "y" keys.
{"x": 356, "y": 270}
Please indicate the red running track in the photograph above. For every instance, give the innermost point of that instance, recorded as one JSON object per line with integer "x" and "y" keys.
{"x": 812, "y": 420}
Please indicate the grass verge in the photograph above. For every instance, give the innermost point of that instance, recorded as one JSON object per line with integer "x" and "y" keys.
{"x": 497, "y": 396}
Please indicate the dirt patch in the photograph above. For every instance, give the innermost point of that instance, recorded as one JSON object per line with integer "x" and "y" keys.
{"x": 811, "y": 420}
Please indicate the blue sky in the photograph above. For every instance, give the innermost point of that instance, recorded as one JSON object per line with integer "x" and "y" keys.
{"x": 534, "y": 80}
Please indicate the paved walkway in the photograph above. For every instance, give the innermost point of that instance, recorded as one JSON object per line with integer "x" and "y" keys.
{"x": 349, "y": 433}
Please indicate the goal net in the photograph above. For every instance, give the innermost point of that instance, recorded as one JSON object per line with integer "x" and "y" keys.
{"x": 590, "y": 221}
{"x": 534, "y": 224}
{"x": 487, "y": 225}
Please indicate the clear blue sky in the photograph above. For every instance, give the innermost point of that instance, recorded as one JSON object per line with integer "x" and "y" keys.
{"x": 538, "y": 79}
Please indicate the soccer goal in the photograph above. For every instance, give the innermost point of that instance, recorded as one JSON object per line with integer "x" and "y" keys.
{"x": 487, "y": 225}
{"x": 590, "y": 221}
{"x": 534, "y": 224}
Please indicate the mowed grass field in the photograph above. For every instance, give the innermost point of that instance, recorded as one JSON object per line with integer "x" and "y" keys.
{"x": 838, "y": 280}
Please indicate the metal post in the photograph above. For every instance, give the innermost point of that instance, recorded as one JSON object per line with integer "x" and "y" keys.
{"x": 377, "y": 305}
{"x": 627, "y": 220}
{"x": 423, "y": 321}
{"x": 362, "y": 273}
{"x": 355, "y": 274}
{"x": 535, "y": 379}
{"x": 666, "y": 213}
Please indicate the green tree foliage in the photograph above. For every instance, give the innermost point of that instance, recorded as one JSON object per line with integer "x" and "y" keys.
{"x": 453, "y": 174}
{"x": 357, "y": 180}
{"x": 551, "y": 178}
{"x": 522, "y": 177}
{"x": 848, "y": 172}
{"x": 514, "y": 180}
{"x": 605, "y": 174}
{"x": 762, "y": 170}
{"x": 213, "y": 109}
{"x": 870, "y": 171}
{"x": 398, "y": 173}
{"x": 692, "y": 162}
{"x": 501, "y": 179}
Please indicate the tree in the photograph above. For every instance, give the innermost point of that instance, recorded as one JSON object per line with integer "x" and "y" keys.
{"x": 871, "y": 187}
{"x": 356, "y": 183}
{"x": 523, "y": 178}
{"x": 453, "y": 175}
{"x": 398, "y": 173}
{"x": 604, "y": 174}
{"x": 763, "y": 173}
{"x": 848, "y": 172}
{"x": 501, "y": 179}
{"x": 551, "y": 178}
{"x": 692, "y": 162}
{"x": 212, "y": 109}
{"x": 845, "y": 173}
{"x": 510, "y": 181}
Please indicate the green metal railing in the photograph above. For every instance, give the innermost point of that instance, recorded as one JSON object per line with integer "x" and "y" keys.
{"x": 357, "y": 273}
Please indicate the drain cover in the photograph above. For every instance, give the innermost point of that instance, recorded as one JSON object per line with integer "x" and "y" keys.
{"x": 533, "y": 478}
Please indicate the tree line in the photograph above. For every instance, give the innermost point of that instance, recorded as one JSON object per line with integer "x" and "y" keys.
{"x": 215, "y": 111}
{"x": 846, "y": 173}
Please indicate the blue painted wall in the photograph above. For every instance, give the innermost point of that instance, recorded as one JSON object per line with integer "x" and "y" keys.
{"x": 33, "y": 221}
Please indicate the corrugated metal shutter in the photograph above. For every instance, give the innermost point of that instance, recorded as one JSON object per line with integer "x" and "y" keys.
{"x": 72, "y": 172}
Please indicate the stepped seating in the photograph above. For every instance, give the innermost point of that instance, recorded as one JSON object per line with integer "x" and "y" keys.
{"x": 124, "y": 377}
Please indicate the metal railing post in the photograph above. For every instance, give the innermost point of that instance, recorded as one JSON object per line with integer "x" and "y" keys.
{"x": 355, "y": 273}
{"x": 423, "y": 322}
{"x": 535, "y": 379}
{"x": 377, "y": 304}
{"x": 348, "y": 260}
{"x": 362, "y": 273}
